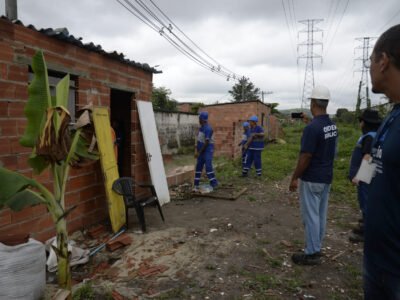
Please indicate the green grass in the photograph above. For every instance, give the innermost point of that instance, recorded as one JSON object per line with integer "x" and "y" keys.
{"x": 260, "y": 283}
{"x": 85, "y": 292}
{"x": 280, "y": 159}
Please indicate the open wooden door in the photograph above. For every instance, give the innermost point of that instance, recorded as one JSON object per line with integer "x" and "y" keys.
{"x": 116, "y": 206}
{"x": 153, "y": 150}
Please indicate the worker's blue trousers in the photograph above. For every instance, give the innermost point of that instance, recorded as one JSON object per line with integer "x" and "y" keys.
{"x": 205, "y": 159}
{"x": 252, "y": 155}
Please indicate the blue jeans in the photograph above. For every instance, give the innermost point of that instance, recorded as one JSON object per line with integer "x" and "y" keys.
{"x": 314, "y": 207}
{"x": 379, "y": 284}
{"x": 205, "y": 158}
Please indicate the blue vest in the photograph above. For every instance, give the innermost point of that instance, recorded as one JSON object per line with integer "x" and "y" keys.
{"x": 357, "y": 155}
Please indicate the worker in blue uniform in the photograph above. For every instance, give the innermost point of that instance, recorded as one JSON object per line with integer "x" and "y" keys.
{"x": 245, "y": 138}
{"x": 369, "y": 123}
{"x": 254, "y": 146}
{"x": 204, "y": 152}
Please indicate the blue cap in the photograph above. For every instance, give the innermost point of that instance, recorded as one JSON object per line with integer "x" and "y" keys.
{"x": 246, "y": 124}
{"x": 253, "y": 118}
{"x": 203, "y": 116}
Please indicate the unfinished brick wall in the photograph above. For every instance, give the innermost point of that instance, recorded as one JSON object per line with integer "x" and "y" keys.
{"x": 96, "y": 74}
{"x": 226, "y": 120}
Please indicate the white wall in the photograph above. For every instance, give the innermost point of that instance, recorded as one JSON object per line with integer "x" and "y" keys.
{"x": 176, "y": 130}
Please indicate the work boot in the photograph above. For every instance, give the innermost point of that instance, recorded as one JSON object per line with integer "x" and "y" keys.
{"x": 359, "y": 230}
{"x": 301, "y": 258}
{"x": 356, "y": 238}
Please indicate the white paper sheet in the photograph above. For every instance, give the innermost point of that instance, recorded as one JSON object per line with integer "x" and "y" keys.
{"x": 366, "y": 171}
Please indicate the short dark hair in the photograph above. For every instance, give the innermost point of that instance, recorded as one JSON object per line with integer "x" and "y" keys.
{"x": 389, "y": 42}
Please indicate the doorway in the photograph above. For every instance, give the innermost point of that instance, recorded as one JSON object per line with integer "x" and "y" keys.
{"x": 121, "y": 106}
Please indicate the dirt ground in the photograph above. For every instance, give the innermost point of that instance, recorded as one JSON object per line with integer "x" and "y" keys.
{"x": 220, "y": 249}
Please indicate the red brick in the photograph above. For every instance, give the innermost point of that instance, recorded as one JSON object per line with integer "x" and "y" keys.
{"x": 46, "y": 221}
{"x": 16, "y": 109}
{"x": 44, "y": 235}
{"x": 21, "y": 125}
{"x": 22, "y": 161}
{"x": 3, "y": 108}
{"x": 6, "y": 52}
{"x": 121, "y": 241}
{"x": 23, "y": 215}
{"x": 80, "y": 182}
{"x": 18, "y": 73}
{"x": 16, "y": 147}
{"x": 3, "y": 71}
{"x": 72, "y": 198}
{"x": 5, "y": 219}
{"x": 5, "y": 147}
{"x": 8, "y": 127}
{"x": 74, "y": 225}
{"x": 96, "y": 231}
{"x": 39, "y": 210}
{"x": 9, "y": 162}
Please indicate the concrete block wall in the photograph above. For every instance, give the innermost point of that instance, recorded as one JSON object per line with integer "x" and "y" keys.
{"x": 96, "y": 74}
{"x": 176, "y": 130}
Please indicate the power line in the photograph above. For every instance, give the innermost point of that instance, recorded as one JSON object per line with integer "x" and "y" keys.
{"x": 197, "y": 46}
{"x": 337, "y": 27}
{"x": 288, "y": 27}
{"x": 158, "y": 22}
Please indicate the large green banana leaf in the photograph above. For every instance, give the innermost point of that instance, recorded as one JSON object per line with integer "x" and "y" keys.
{"x": 23, "y": 199}
{"x": 39, "y": 100}
{"x": 14, "y": 190}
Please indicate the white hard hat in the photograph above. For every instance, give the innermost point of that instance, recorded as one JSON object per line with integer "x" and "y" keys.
{"x": 320, "y": 92}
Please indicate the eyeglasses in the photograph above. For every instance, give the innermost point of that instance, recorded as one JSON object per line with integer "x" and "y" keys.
{"x": 367, "y": 63}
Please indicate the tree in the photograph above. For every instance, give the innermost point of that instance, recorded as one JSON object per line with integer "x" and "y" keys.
{"x": 244, "y": 90}
{"x": 161, "y": 99}
{"x": 344, "y": 115}
{"x": 196, "y": 106}
{"x": 274, "y": 111}
{"x": 55, "y": 146}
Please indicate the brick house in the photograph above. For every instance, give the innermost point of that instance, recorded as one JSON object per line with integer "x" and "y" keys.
{"x": 226, "y": 120}
{"x": 98, "y": 77}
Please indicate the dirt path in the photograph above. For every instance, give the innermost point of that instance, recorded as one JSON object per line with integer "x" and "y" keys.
{"x": 219, "y": 249}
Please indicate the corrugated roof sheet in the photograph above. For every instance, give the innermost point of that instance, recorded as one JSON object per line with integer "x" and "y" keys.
{"x": 63, "y": 35}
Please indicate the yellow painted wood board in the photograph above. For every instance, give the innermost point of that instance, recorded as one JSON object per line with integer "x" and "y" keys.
{"x": 116, "y": 207}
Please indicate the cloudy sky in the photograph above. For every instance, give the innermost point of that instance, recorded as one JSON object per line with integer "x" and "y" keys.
{"x": 253, "y": 38}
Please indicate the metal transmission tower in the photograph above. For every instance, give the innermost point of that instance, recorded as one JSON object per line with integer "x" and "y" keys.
{"x": 312, "y": 32}
{"x": 363, "y": 87}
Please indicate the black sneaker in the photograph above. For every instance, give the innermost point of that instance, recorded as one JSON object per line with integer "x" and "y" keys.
{"x": 358, "y": 230}
{"x": 301, "y": 258}
{"x": 319, "y": 254}
{"x": 356, "y": 238}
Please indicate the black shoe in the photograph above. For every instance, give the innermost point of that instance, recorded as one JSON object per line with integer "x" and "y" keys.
{"x": 319, "y": 254}
{"x": 243, "y": 175}
{"x": 358, "y": 230}
{"x": 307, "y": 259}
{"x": 356, "y": 238}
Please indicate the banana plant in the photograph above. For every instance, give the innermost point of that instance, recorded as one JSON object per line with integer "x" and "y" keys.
{"x": 55, "y": 145}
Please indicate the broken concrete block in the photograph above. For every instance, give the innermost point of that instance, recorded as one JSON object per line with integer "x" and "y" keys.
{"x": 121, "y": 241}
{"x": 96, "y": 231}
